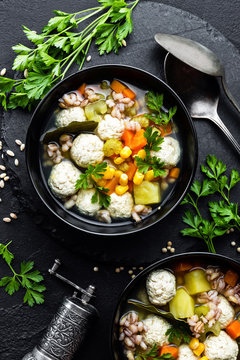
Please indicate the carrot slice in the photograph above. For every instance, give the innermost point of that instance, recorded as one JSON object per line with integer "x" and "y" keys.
{"x": 130, "y": 186}
{"x": 168, "y": 349}
{"x": 138, "y": 140}
{"x": 167, "y": 130}
{"x": 117, "y": 86}
{"x": 231, "y": 278}
{"x": 182, "y": 266}
{"x": 174, "y": 173}
{"x": 82, "y": 88}
{"x": 233, "y": 329}
{"x": 111, "y": 184}
{"x": 129, "y": 93}
{"x": 131, "y": 170}
{"x": 127, "y": 137}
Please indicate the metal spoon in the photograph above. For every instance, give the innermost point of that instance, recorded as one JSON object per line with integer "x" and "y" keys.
{"x": 199, "y": 91}
{"x": 197, "y": 56}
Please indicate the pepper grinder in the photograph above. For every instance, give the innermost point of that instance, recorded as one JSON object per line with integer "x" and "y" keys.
{"x": 69, "y": 325}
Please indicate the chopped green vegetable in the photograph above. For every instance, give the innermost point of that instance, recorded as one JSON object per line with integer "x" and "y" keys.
{"x": 158, "y": 115}
{"x": 112, "y": 146}
{"x": 142, "y": 120}
{"x": 146, "y": 193}
{"x": 27, "y": 279}
{"x": 93, "y": 111}
{"x": 182, "y": 305}
{"x": 153, "y": 354}
{"x": 196, "y": 282}
{"x": 201, "y": 310}
{"x": 179, "y": 334}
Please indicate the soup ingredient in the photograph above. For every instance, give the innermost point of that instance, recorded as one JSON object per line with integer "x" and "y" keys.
{"x": 153, "y": 354}
{"x": 139, "y": 140}
{"x": 84, "y": 202}
{"x": 196, "y": 282}
{"x": 234, "y": 329}
{"x": 201, "y": 310}
{"x": 178, "y": 334}
{"x": 227, "y": 312}
{"x": 231, "y": 278}
{"x": 127, "y": 137}
{"x": 199, "y": 350}
{"x": 185, "y": 353}
{"x": 221, "y": 347}
{"x": 87, "y": 149}
{"x": 57, "y": 47}
{"x": 62, "y": 179}
{"x": 174, "y": 173}
{"x": 224, "y": 213}
{"x": 157, "y": 328}
{"x": 95, "y": 110}
{"x": 182, "y": 305}
{"x": 29, "y": 280}
{"x": 169, "y": 152}
{"x": 110, "y": 128}
{"x": 121, "y": 205}
{"x": 139, "y": 210}
{"x": 66, "y": 116}
{"x": 111, "y": 147}
{"x": 54, "y": 153}
{"x": 161, "y": 287}
{"x": 158, "y": 115}
{"x": 104, "y": 216}
{"x": 168, "y": 349}
{"x": 147, "y": 193}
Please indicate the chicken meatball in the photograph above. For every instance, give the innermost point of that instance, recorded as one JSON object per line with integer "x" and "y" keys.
{"x": 185, "y": 353}
{"x": 110, "y": 128}
{"x": 169, "y": 152}
{"x": 121, "y": 205}
{"x": 156, "y": 333}
{"x": 84, "y": 202}
{"x": 66, "y": 116}
{"x": 221, "y": 347}
{"x": 161, "y": 287}
{"x": 227, "y": 314}
{"x": 87, "y": 149}
{"x": 63, "y": 178}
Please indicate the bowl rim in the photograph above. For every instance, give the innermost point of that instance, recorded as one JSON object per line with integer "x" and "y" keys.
{"x": 184, "y": 108}
{"x": 152, "y": 267}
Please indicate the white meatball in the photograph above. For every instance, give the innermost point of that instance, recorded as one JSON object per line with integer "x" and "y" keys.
{"x": 169, "y": 152}
{"x": 63, "y": 178}
{"x": 185, "y": 353}
{"x": 87, "y": 149}
{"x": 161, "y": 287}
{"x": 121, "y": 205}
{"x": 156, "y": 333}
{"x": 66, "y": 116}
{"x": 110, "y": 128}
{"x": 221, "y": 347}
{"x": 84, "y": 202}
{"x": 227, "y": 314}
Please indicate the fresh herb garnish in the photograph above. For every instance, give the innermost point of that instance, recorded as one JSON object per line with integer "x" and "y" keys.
{"x": 153, "y": 143}
{"x": 26, "y": 279}
{"x": 178, "y": 334}
{"x": 95, "y": 172}
{"x": 153, "y": 354}
{"x": 158, "y": 115}
{"x": 59, "y": 45}
{"x": 224, "y": 213}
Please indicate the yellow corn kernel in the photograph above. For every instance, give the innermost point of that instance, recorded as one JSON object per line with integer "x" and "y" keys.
{"x": 149, "y": 176}
{"x": 125, "y": 152}
{"x": 142, "y": 154}
{"x": 120, "y": 190}
{"x": 138, "y": 178}
{"x": 204, "y": 358}
{"x": 123, "y": 180}
{"x": 118, "y": 173}
{"x": 109, "y": 173}
{"x": 199, "y": 350}
{"x": 194, "y": 343}
{"x": 101, "y": 182}
{"x": 119, "y": 160}
{"x": 123, "y": 167}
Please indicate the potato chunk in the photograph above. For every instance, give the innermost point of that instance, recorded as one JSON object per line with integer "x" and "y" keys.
{"x": 146, "y": 193}
{"x": 182, "y": 305}
{"x": 196, "y": 282}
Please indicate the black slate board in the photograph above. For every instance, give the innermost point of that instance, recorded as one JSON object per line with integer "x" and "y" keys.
{"x": 36, "y": 228}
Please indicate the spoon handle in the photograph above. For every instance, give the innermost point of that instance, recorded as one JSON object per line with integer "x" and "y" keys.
{"x": 228, "y": 93}
{"x": 216, "y": 119}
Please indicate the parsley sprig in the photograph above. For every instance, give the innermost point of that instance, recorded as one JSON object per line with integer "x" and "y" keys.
{"x": 92, "y": 173}
{"x": 158, "y": 115}
{"x": 178, "y": 334}
{"x": 153, "y": 354}
{"x": 27, "y": 279}
{"x": 223, "y": 213}
{"x": 59, "y": 45}
{"x": 153, "y": 143}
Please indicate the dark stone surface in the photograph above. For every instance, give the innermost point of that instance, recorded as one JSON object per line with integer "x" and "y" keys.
{"x": 38, "y": 236}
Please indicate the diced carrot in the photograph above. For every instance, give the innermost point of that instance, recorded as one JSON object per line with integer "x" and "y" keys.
{"x": 135, "y": 151}
{"x": 117, "y": 86}
{"x": 111, "y": 184}
{"x": 168, "y": 349}
{"x": 127, "y": 137}
{"x": 129, "y": 93}
{"x": 174, "y": 173}
{"x": 167, "y": 130}
{"x": 233, "y": 329}
{"x": 139, "y": 140}
{"x": 130, "y": 186}
{"x": 81, "y": 89}
{"x": 231, "y": 278}
{"x": 182, "y": 266}
{"x": 113, "y": 156}
{"x": 131, "y": 170}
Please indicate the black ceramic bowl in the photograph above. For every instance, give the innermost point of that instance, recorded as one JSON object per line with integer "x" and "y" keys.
{"x": 141, "y": 79}
{"x": 195, "y": 257}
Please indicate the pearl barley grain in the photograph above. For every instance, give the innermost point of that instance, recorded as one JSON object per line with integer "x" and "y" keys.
{"x": 89, "y": 58}
{"x": 10, "y": 153}
{"x": 3, "y": 71}
{"x": 7, "y": 220}
{"x": 16, "y": 162}
{"x": 2, "y": 184}
{"x": 18, "y": 142}
{"x": 2, "y": 167}
{"x": 13, "y": 216}
{"x": 22, "y": 147}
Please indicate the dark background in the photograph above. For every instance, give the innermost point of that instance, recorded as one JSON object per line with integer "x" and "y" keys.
{"x": 38, "y": 236}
